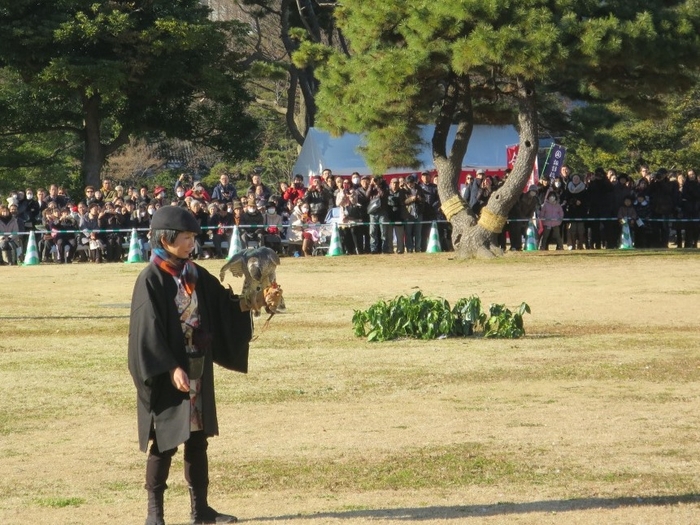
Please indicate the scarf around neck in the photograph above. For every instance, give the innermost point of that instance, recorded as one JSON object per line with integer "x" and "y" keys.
{"x": 576, "y": 188}
{"x": 182, "y": 269}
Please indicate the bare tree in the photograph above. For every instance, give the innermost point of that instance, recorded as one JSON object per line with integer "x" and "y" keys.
{"x": 133, "y": 161}
{"x": 277, "y": 28}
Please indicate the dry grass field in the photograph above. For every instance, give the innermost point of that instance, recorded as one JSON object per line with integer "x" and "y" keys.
{"x": 592, "y": 417}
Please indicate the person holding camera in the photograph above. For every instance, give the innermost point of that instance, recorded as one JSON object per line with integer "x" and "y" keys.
{"x": 415, "y": 205}
{"x": 397, "y": 214}
{"x": 318, "y": 197}
{"x": 224, "y": 191}
{"x": 378, "y": 211}
{"x": 350, "y": 215}
{"x": 184, "y": 181}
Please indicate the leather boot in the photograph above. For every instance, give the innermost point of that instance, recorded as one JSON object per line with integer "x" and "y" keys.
{"x": 197, "y": 476}
{"x": 155, "y": 509}
{"x": 157, "y": 470}
{"x": 202, "y": 513}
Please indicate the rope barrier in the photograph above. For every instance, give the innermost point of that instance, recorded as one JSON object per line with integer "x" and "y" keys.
{"x": 61, "y": 317}
{"x": 485, "y": 212}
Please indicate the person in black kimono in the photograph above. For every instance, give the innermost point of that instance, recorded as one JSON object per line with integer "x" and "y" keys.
{"x": 182, "y": 322}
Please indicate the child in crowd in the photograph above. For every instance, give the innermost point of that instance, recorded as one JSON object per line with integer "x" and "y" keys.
{"x": 552, "y": 215}
{"x": 95, "y": 247}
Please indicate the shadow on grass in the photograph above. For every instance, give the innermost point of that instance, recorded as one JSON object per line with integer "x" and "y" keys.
{"x": 476, "y": 511}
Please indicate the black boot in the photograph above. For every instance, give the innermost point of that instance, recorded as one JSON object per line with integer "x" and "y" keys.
{"x": 197, "y": 476}
{"x": 157, "y": 469}
{"x": 201, "y": 511}
{"x": 155, "y": 509}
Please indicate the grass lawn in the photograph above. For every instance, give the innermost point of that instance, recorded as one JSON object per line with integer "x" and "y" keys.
{"x": 592, "y": 417}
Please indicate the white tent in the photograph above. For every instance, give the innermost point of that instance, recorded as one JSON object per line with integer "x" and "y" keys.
{"x": 487, "y": 150}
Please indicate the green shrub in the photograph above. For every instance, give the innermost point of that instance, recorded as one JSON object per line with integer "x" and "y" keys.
{"x": 420, "y": 317}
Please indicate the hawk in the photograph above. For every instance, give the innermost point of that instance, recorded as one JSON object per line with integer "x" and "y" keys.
{"x": 258, "y": 268}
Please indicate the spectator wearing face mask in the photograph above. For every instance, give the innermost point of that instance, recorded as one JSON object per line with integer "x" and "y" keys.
{"x": 179, "y": 199}
{"x": 306, "y": 228}
{"x": 33, "y": 209}
{"x": 299, "y": 216}
{"x": 273, "y": 227}
{"x": 355, "y": 180}
{"x": 252, "y": 224}
{"x": 184, "y": 181}
{"x": 159, "y": 195}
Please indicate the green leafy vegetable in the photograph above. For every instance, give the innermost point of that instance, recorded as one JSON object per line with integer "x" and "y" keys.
{"x": 420, "y": 317}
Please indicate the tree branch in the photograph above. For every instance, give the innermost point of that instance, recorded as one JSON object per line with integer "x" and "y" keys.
{"x": 307, "y": 11}
{"x": 291, "y": 103}
{"x": 271, "y": 105}
{"x": 118, "y": 142}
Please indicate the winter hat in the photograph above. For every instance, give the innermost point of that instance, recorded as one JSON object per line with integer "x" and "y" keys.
{"x": 175, "y": 218}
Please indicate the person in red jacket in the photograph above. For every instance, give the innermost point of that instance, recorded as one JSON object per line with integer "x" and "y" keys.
{"x": 296, "y": 191}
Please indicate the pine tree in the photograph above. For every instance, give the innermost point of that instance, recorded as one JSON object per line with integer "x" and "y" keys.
{"x": 471, "y": 61}
{"x": 104, "y": 71}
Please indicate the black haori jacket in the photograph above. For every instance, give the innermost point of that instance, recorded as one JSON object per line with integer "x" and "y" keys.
{"x": 157, "y": 345}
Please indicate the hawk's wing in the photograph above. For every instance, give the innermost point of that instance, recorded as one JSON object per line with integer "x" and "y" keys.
{"x": 237, "y": 266}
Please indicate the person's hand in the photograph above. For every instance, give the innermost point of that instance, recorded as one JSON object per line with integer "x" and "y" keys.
{"x": 179, "y": 379}
{"x": 257, "y": 302}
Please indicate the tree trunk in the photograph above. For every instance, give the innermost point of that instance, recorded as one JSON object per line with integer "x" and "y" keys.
{"x": 94, "y": 155}
{"x": 300, "y": 79}
{"x": 295, "y": 124}
{"x": 472, "y": 236}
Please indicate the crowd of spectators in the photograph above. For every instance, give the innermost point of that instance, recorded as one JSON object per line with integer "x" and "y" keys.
{"x": 576, "y": 212}
{"x": 374, "y": 215}
{"x": 96, "y": 226}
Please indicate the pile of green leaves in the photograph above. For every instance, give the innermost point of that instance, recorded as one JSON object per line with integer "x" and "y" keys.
{"x": 420, "y": 317}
